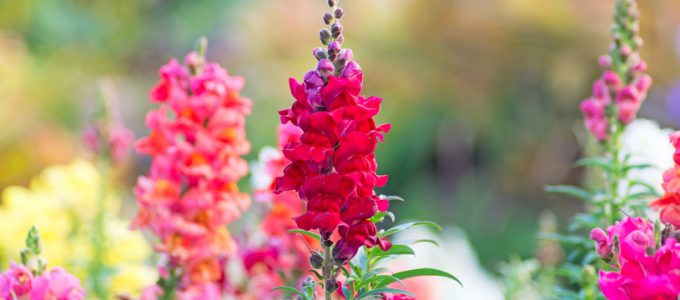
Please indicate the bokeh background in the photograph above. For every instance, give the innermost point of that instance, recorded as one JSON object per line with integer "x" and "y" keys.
{"x": 482, "y": 95}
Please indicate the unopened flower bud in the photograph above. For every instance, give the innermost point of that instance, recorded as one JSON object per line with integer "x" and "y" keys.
{"x": 336, "y": 29}
{"x": 320, "y": 53}
{"x": 351, "y": 69}
{"x": 605, "y": 61}
{"x": 339, "y": 12}
{"x": 316, "y": 261}
{"x": 626, "y": 51}
{"x": 331, "y": 3}
{"x": 345, "y": 56}
{"x": 325, "y": 68}
{"x": 640, "y": 67}
{"x": 612, "y": 80}
{"x": 327, "y": 18}
{"x": 602, "y": 245}
{"x": 638, "y": 41}
{"x": 340, "y": 38}
{"x": 325, "y": 36}
{"x": 331, "y": 285}
{"x": 333, "y": 50}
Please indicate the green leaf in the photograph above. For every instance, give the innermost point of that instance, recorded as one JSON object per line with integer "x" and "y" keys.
{"x": 379, "y": 279}
{"x": 405, "y": 226}
{"x": 419, "y": 241}
{"x": 346, "y": 292}
{"x": 290, "y": 290}
{"x": 599, "y": 162}
{"x": 421, "y": 272}
{"x": 307, "y": 233}
{"x": 380, "y": 216}
{"x": 650, "y": 188}
{"x": 396, "y": 250}
{"x": 636, "y": 167}
{"x": 570, "y": 190}
{"x": 392, "y": 198}
{"x": 377, "y": 292}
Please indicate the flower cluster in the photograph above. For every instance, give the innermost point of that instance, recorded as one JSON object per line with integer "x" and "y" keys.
{"x": 196, "y": 140}
{"x": 332, "y": 165}
{"x": 31, "y": 280}
{"x": 641, "y": 271}
{"x": 669, "y": 203}
{"x": 19, "y": 283}
{"x": 620, "y": 91}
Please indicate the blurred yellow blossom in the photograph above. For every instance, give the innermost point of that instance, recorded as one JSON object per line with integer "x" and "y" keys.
{"x": 62, "y": 203}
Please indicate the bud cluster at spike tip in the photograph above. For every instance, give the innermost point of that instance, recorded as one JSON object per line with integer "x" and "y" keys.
{"x": 623, "y": 86}
{"x": 641, "y": 270}
{"x": 196, "y": 140}
{"x": 332, "y": 165}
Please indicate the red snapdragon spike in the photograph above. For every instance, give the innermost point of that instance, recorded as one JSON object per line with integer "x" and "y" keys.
{"x": 190, "y": 194}
{"x": 333, "y": 165}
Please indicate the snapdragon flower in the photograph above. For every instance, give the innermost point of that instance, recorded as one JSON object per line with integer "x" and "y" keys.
{"x": 641, "y": 270}
{"x": 196, "y": 140}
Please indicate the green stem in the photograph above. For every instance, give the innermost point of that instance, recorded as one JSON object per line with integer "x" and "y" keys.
{"x": 99, "y": 233}
{"x": 327, "y": 268}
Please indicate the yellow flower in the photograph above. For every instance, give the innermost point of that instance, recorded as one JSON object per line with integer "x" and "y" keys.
{"x": 62, "y": 202}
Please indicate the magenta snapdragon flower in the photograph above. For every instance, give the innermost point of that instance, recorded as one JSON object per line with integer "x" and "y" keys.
{"x": 640, "y": 270}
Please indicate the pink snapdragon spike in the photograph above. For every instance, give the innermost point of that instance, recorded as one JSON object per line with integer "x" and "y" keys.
{"x": 623, "y": 86}
{"x": 196, "y": 140}
{"x": 669, "y": 203}
{"x": 640, "y": 270}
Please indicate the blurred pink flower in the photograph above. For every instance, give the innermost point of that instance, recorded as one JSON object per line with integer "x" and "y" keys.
{"x": 20, "y": 279}
{"x": 196, "y": 140}
{"x": 57, "y": 284}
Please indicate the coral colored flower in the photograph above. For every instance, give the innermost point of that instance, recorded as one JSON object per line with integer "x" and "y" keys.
{"x": 669, "y": 203}
{"x": 333, "y": 166}
{"x": 196, "y": 140}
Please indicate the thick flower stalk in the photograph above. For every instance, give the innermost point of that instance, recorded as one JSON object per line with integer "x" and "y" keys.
{"x": 32, "y": 280}
{"x": 333, "y": 166}
{"x": 642, "y": 269}
{"x": 196, "y": 140}
{"x": 622, "y": 88}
